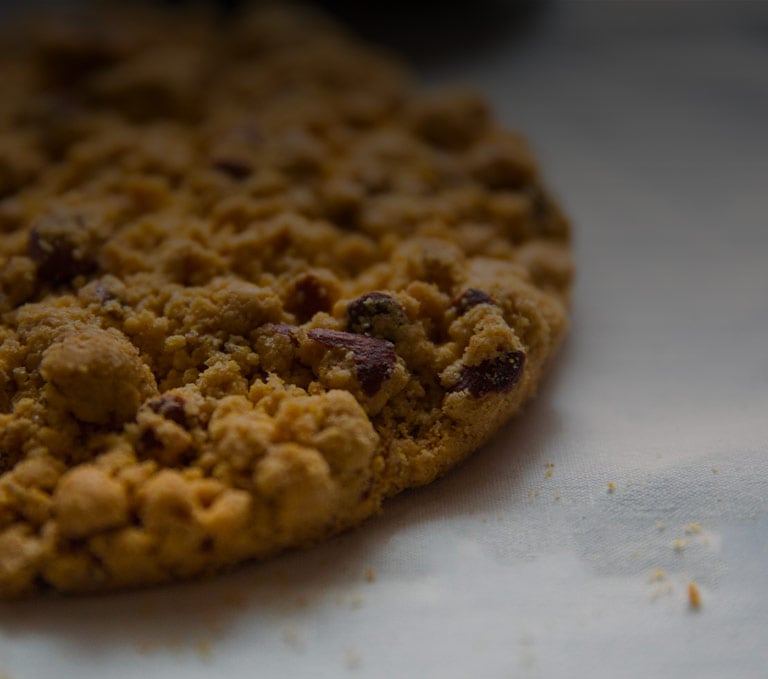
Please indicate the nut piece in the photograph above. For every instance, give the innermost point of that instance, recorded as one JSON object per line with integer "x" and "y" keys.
{"x": 499, "y": 374}
{"x": 374, "y": 358}
{"x": 376, "y": 315}
{"x": 98, "y": 376}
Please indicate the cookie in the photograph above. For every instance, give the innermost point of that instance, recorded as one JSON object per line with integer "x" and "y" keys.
{"x": 252, "y": 283}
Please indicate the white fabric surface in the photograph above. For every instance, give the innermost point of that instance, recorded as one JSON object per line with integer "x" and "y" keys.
{"x": 651, "y": 121}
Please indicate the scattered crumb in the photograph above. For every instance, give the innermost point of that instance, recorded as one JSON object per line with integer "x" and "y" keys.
{"x": 611, "y": 486}
{"x": 370, "y": 574}
{"x": 660, "y": 584}
{"x": 557, "y": 496}
{"x": 203, "y": 648}
{"x": 352, "y": 659}
{"x": 694, "y": 596}
{"x": 680, "y": 544}
{"x": 291, "y": 638}
{"x": 550, "y": 469}
{"x": 692, "y": 529}
{"x": 715, "y": 470}
{"x": 660, "y": 525}
{"x": 145, "y": 647}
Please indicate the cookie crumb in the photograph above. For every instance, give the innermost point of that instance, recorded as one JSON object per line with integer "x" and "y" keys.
{"x": 680, "y": 544}
{"x": 352, "y": 659}
{"x": 715, "y": 470}
{"x": 692, "y": 529}
{"x": 611, "y": 487}
{"x": 291, "y": 638}
{"x": 550, "y": 466}
{"x": 694, "y": 596}
{"x": 657, "y": 576}
{"x": 204, "y": 648}
{"x": 660, "y": 526}
{"x": 370, "y": 574}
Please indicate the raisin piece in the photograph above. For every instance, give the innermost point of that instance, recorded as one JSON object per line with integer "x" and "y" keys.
{"x": 376, "y": 315}
{"x": 150, "y": 441}
{"x": 171, "y": 407}
{"x": 233, "y": 168}
{"x": 469, "y": 299}
{"x": 374, "y": 358}
{"x": 308, "y": 296}
{"x": 63, "y": 247}
{"x": 499, "y": 374}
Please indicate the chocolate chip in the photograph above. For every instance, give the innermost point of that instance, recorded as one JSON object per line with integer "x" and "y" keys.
{"x": 499, "y": 374}
{"x": 309, "y": 296}
{"x": 374, "y": 358}
{"x": 171, "y": 407}
{"x": 63, "y": 247}
{"x": 472, "y": 297}
{"x": 233, "y": 168}
{"x": 376, "y": 315}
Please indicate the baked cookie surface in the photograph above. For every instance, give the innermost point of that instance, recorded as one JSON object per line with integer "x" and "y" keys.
{"x": 252, "y": 283}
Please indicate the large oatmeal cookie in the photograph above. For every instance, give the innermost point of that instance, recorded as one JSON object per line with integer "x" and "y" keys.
{"x": 251, "y": 284}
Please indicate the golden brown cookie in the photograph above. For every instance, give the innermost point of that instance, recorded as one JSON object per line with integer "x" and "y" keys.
{"x": 252, "y": 283}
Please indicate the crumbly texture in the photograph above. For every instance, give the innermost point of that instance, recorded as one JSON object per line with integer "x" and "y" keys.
{"x": 252, "y": 283}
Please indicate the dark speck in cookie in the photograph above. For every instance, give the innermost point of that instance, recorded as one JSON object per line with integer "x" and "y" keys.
{"x": 495, "y": 375}
{"x": 376, "y": 314}
{"x": 469, "y": 299}
{"x": 63, "y": 247}
{"x": 171, "y": 407}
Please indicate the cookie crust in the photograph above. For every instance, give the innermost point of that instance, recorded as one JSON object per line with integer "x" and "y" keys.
{"x": 252, "y": 283}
